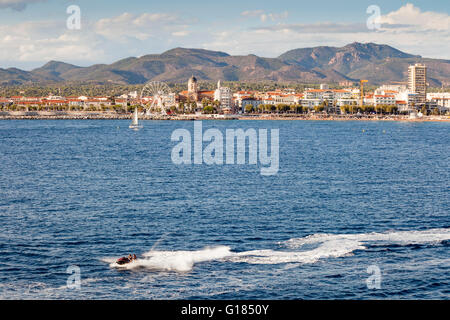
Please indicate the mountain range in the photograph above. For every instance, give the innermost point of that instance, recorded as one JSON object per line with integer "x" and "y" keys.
{"x": 374, "y": 62}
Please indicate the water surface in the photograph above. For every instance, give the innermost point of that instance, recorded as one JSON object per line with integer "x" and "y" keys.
{"x": 348, "y": 195}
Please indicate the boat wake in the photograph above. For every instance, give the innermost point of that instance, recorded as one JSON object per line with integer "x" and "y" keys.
{"x": 305, "y": 250}
{"x": 315, "y": 247}
{"x": 394, "y": 237}
{"x": 180, "y": 261}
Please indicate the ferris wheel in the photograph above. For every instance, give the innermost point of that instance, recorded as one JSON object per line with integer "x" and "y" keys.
{"x": 155, "y": 96}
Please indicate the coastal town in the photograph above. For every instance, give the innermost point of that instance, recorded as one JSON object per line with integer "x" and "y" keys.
{"x": 408, "y": 100}
{"x": 225, "y": 160}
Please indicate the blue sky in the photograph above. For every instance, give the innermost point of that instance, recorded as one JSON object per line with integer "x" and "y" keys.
{"x": 33, "y": 32}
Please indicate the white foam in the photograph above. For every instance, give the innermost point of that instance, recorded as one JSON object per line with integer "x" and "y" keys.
{"x": 393, "y": 237}
{"x": 318, "y": 246}
{"x": 326, "y": 250}
{"x": 174, "y": 260}
{"x": 337, "y": 245}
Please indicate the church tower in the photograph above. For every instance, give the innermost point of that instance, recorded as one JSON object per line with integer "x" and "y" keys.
{"x": 193, "y": 88}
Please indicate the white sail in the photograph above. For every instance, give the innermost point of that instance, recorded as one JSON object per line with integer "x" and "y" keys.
{"x": 135, "y": 118}
{"x": 135, "y": 122}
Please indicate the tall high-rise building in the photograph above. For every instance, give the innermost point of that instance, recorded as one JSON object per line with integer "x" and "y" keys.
{"x": 417, "y": 82}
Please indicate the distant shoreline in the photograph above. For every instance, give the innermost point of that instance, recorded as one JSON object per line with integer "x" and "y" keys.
{"x": 115, "y": 116}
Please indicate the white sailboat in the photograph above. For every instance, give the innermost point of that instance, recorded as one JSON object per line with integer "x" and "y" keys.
{"x": 135, "y": 123}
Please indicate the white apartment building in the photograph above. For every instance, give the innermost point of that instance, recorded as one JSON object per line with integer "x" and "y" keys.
{"x": 399, "y": 95}
{"x": 315, "y": 97}
{"x": 319, "y": 94}
{"x": 345, "y": 97}
{"x": 440, "y": 100}
{"x": 311, "y": 103}
{"x": 390, "y": 88}
{"x": 346, "y": 102}
{"x": 385, "y": 99}
{"x": 289, "y": 99}
{"x": 224, "y": 96}
{"x": 406, "y": 101}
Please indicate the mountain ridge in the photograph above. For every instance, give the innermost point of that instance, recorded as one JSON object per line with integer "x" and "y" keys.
{"x": 378, "y": 63}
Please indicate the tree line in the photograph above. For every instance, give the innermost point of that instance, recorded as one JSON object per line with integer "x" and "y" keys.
{"x": 323, "y": 107}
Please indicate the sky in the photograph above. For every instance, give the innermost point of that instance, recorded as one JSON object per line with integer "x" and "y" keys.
{"x": 33, "y": 32}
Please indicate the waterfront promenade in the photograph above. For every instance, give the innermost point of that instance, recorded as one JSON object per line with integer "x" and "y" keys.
{"x": 68, "y": 115}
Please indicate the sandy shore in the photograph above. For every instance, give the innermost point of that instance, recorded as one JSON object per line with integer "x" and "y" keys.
{"x": 61, "y": 115}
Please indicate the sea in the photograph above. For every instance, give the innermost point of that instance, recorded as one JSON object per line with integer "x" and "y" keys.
{"x": 357, "y": 210}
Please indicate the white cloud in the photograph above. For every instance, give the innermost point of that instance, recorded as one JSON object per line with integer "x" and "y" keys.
{"x": 252, "y": 13}
{"x": 103, "y": 41}
{"x": 142, "y": 27}
{"x": 412, "y": 18}
{"x": 47, "y": 40}
{"x": 180, "y": 33}
{"x": 263, "y": 16}
{"x": 408, "y": 29}
{"x": 109, "y": 39}
{"x": 325, "y": 27}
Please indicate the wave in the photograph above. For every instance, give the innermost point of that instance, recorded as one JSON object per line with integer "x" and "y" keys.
{"x": 338, "y": 245}
{"x": 305, "y": 250}
{"x": 331, "y": 249}
{"x": 174, "y": 260}
{"x": 393, "y": 237}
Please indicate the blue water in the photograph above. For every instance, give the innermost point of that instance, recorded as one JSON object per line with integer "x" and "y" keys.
{"x": 85, "y": 193}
